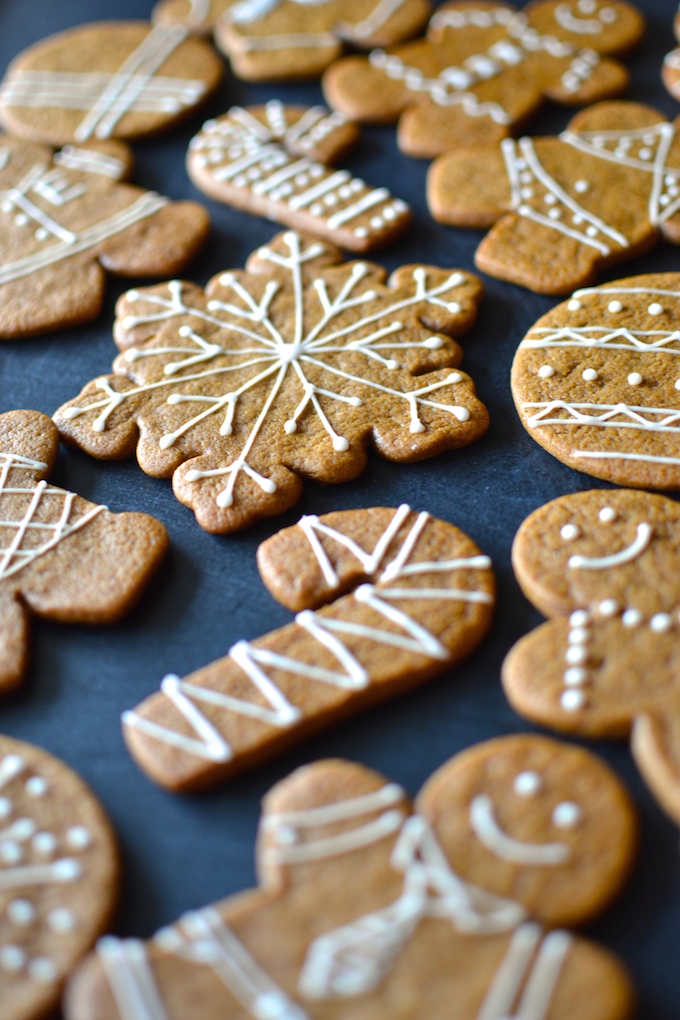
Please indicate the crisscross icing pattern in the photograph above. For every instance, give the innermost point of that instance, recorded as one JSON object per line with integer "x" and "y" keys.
{"x": 46, "y": 515}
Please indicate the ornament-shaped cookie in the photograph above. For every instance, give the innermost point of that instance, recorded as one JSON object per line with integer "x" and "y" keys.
{"x": 566, "y": 208}
{"x": 595, "y": 381}
{"x": 288, "y": 369}
{"x": 109, "y": 79}
{"x": 271, "y": 160}
{"x": 484, "y": 70}
{"x": 370, "y": 907}
{"x": 419, "y": 598}
{"x": 59, "y": 877}
{"x": 66, "y": 219}
{"x": 61, "y": 557}
{"x": 278, "y": 40}
{"x": 605, "y": 565}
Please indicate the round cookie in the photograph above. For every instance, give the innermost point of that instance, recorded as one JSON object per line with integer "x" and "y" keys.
{"x": 109, "y": 79}
{"x": 59, "y": 876}
{"x": 595, "y": 381}
{"x": 368, "y": 909}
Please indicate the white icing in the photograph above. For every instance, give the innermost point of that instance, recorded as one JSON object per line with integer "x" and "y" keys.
{"x": 489, "y": 833}
{"x": 131, "y": 979}
{"x": 629, "y": 417}
{"x": 627, "y": 555}
{"x": 546, "y": 371}
{"x": 89, "y": 162}
{"x": 134, "y": 88}
{"x": 590, "y": 374}
{"x": 584, "y": 26}
{"x": 537, "y": 973}
{"x": 607, "y": 514}
{"x": 569, "y": 532}
{"x": 608, "y": 607}
{"x": 527, "y": 784}
{"x": 567, "y": 815}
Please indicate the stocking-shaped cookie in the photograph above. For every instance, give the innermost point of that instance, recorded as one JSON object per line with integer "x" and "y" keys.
{"x": 565, "y": 208}
{"x": 59, "y": 877}
{"x": 671, "y": 65}
{"x": 606, "y": 566}
{"x": 65, "y": 218}
{"x": 271, "y": 160}
{"x": 484, "y": 70}
{"x": 61, "y": 557}
{"x": 275, "y": 40}
{"x": 370, "y": 909}
{"x": 111, "y": 79}
{"x": 421, "y": 599}
{"x": 288, "y": 369}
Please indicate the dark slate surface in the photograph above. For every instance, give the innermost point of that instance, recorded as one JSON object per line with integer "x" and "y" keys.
{"x": 182, "y": 853}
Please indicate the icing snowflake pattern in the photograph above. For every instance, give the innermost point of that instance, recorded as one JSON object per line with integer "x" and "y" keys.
{"x": 287, "y": 367}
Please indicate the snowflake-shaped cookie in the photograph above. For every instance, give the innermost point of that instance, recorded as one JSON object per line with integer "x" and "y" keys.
{"x": 271, "y": 160}
{"x": 288, "y": 369}
{"x": 273, "y": 40}
{"x": 485, "y": 68}
{"x": 565, "y": 208}
{"x": 65, "y": 217}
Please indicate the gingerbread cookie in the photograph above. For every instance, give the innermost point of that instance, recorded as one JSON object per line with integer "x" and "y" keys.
{"x": 595, "y": 381}
{"x": 110, "y": 79}
{"x": 288, "y": 369}
{"x": 565, "y": 208}
{"x": 278, "y": 40}
{"x": 670, "y": 72}
{"x": 59, "y": 876}
{"x": 65, "y": 218}
{"x": 270, "y": 160}
{"x": 484, "y": 69}
{"x": 61, "y": 557}
{"x": 370, "y": 907}
{"x": 422, "y": 599}
{"x": 606, "y": 566}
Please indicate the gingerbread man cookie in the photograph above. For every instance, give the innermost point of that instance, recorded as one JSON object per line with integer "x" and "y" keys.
{"x": 595, "y": 381}
{"x": 606, "y": 566}
{"x": 110, "y": 79}
{"x": 484, "y": 70}
{"x": 422, "y": 599}
{"x": 271, "y": 160}
{"x": 671, "y": 65}
{"x": 277, "y": 40}
{"x": 61, "y": 557}
{"x": 59, "y": 876}
{"x": 605, "y": 190}
{"x": 65, "y": 218}
{"x": 370, "y": 907}
{"x": 288, "y": 369}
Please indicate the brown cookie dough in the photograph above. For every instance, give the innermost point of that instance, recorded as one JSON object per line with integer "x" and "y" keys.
{"x": 288, "y": 369}
{"x": 409, "y": 595}
{"x": 484, "y": 69}
{"x": 59, "y": 877}
{"x": 61, "y": 557}
{"x": 605, "y": 564}
{"x": 66, "y": 219}
{"x": 370, "y": 907}
{"x": 564, "y": 209}
{"x": 270, "y": 160}
{"x": 278, "y": 40}
{"x": 670, "y": 71}
{"x": 110, "y": 79}
{"x": 596, "y": 384}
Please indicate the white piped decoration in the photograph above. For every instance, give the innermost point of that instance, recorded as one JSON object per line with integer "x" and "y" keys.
{"x": 570, "y": 532}
{"x": 655, "y": 309}
{"x": 632, "y": 618}
{"x": 567, "y": 815}
{"x": 660, "y": 623}
{"x": 546, "y": 371}
{"x": 573, "y": 700}
{"x": 608, "y": 607}
{"x": 615, "y": 307}
{"x": 634, "y": 379}
{"x": 528, "y": 784}
{"x": 590, "y": 374}
{"x": 574, "y": 305}
{"x": 607, "y": 514}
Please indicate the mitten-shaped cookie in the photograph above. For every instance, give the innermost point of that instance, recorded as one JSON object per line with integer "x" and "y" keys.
{"x": 484, "y": 69}
{"x": 277, "y": 40}
{"x": 271, "y": 160}
{"x": 420, "y": 598}
{"x": 606, "y": 566}
{"x": 289, "y": 369}
{"x": 369, "y": 908}
{"x": 110, "y": 79}
{"x": 565, "y": 208}
{"x": 59, "y": 877}
{"x": 61, "y": 557}
{"x": 66, "y": 218}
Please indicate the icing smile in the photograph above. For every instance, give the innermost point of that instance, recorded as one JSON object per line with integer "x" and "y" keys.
{"x": 635, "y": 549}
{"x": 490, "y": 834}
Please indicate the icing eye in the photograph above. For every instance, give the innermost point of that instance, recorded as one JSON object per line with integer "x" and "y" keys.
{"x": 527, "y": 784}
{"x": 607, "y": 514}
{"x": 569, "y": 532}
{"x": 567, "y": 814}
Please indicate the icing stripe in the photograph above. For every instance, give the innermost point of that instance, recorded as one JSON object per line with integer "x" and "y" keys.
{"x": 130, "y": 978}
{"x": 650, "y": 458}
{"x": 508, "y": 978}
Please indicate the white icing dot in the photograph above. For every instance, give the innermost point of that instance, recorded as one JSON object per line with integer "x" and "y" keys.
{"x": 527, "y": 784}
{"x": 289, "y": 427}
{"x": 576, "y": 655}
{"x": 645, "y": 154}
{"x": 555, "y": 214}
{"x": 607, "y": 514}
{"x": 660, "y": 622}
{"x": 634, "y": 379}
{"x": 631, "y": 618}
{"x": 615, "y": 306}
{"x": 546, "y": 371}
{"x": 360, "y": 232}
{"x": 6, "y": 206}
{"x": 61, "y": 920}
{"x": 571, "y": 701}
{"x": 567, "y": 814}
{"x": 44, "y": 843}
{"x": 549, "y": 199}
{"x": 581, "y": 186}
{"x": 569, "y": 532}
{"x": 286, "y": 834}
{"x": 527, "y": 192}
{"x": 330, "y": 199}
{"x": 574, "y": 305}
{"x": 21, "y": 912}
{"x": 78, "y": 837}
{"x": 575, "y": 676}
{"x": 12, "y": 958}
{"x": 526, "y": 177}
{"x": 579, "y": 618}
{"x": 21, "y": 219}
{"x": 10, "y": 852}
{"x": 41, "y": 234}
{"x": 590, "y": 374}
{"x": 578, "y": 636}
{"x": 433, "y": 343}
{"x": 655, "y": 309}
{"x": 42, "y": 970}
{"x": 454, "y": 307}
{"x": 5, "y": 807}
{"x": 608, "y": 607}
{"x": 677, "y": 384}
{"x": 592, "y": 231}
{"x": 11, "y": 765}
{"x": 36, "y": 786}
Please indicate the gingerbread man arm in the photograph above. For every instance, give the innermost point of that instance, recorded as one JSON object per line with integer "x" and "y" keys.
{"x": 655, "y": 745}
